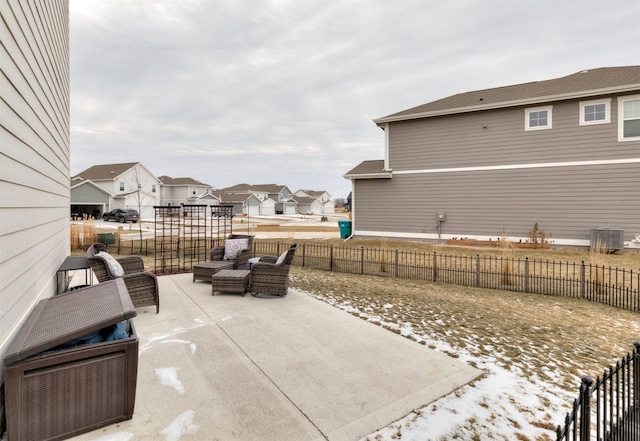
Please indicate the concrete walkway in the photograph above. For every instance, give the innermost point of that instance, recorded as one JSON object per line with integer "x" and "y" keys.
{"x": 228, "y": 367}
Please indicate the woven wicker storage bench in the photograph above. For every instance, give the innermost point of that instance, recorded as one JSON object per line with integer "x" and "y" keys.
{"x": 231, "y": 281}
{"x": 53, "y": 393}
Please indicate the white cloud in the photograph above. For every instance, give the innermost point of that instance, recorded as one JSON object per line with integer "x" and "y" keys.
{"x": 285, "y": 92}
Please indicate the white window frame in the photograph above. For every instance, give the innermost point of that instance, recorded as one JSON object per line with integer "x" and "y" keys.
{"x": 621, "y": 101}
{"x": 121, "y": 185}
{"x": 153, "y": 188}
{"x": 607, "y": 112}
{"x": 529, "y": 111}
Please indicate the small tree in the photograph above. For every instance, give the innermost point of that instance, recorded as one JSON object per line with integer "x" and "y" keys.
{"x": 140, "y": 196}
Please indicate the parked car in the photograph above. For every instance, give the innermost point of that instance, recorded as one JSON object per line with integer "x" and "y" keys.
{"x": 122, "y": 215}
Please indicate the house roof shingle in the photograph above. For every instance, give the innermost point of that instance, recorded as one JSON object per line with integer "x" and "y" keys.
{"x": 371, "y": 167}
{"x": 105, "y": 172}
{"x": 591, "y": 82}
{"x": 168, "y": 180}
{"x": 246, "y": 188}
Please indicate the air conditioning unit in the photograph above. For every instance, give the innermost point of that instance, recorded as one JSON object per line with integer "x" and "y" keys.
{"x": 607, "y": 238}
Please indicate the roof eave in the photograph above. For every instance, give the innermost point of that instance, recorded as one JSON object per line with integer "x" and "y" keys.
{"x": 383, "y": 175}
{"x": 505, "y": 104}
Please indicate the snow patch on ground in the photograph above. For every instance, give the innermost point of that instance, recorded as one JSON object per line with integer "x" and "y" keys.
{"x": 182, "y": 425}
{"x": 504, "y": 404}
{"x": 169, "y": 377}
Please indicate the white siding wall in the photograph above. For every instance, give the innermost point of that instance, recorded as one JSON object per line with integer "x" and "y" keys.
{"x": 34, "y": 155}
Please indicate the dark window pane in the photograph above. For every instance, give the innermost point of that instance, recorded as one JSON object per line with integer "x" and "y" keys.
{"x": 631, "y": 128}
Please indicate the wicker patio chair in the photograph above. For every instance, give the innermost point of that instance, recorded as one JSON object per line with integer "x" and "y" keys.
{"x": 142, "y": 285}
{"x": 270, "y": 277}
{"x": 217, "y": 253}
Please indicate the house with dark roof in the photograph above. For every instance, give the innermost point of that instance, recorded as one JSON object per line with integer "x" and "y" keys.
{"x": 185, "y": 190}
{"x": 129, "y": 186}
{"x": 261, "y": 199}
{"x": 561, "y": 156}
{"x": 314, "y": 201}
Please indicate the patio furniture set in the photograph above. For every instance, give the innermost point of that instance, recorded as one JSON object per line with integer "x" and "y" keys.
{"x": 231, "y": 270}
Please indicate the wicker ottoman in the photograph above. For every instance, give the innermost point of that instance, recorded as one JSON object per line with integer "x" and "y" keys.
{"x": 230, "y": 281}
{"x": 204, "y": 270}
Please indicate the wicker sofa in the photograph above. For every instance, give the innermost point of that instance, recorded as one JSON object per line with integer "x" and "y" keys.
{"x": 240, "y": 262}
{"x": 142, "y": 285}
{"x": 271, "y": 278}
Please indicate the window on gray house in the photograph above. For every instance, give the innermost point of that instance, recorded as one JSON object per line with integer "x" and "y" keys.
{"x": 595, "y": 112}
{"x": 122, "y": 186}
{"x": 629, "y": 118}
{"x": 538, "y": 118}
{"x": 153, "y": 188}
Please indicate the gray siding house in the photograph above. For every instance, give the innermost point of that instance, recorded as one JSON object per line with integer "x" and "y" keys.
{"x": 176, "y": 191}
{"x": 563, "y": 154}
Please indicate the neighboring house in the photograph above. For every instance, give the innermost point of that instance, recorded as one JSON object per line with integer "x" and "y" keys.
{"x": 131, "y": 186}
{"x": 35, "y": 151}
{"x": 269, "y": 199}
{"x": 307, "y": 205}
{"x": 237, "y": 200}
{"x": 328, "y": 205}
{"x": 187, "y": 191}
{"x": 176, "y": 191}
{"x": 563, "y": 154}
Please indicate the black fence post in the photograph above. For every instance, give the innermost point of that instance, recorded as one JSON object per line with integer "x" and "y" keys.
{"x": 361, "y": 260}
{"x": 582, "y": 281}
{"x": 435, "y": 267}
{"x": 331, "y": 258}
{"x": 585, "y": 408}
{"x": 396, "y": 272}
{"x": 478, "y": 270}
{"x": 636, "y": 379}
{"x": 304, "y": 252}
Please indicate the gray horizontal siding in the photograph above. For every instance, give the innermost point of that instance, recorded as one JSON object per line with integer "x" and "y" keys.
{"x": 462, "y": 140}
{"x": 566, "y": 201}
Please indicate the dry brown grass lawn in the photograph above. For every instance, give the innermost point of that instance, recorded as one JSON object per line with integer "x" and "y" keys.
{"x": 550, "y": 341}
{"x": 503, "y": 323}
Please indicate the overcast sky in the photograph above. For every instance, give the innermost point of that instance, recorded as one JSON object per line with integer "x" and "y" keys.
{"x": 257, "y": 91}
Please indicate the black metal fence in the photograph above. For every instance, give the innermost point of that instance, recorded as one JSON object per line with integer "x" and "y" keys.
{"x": 611, "y": 286}
{"x": 607, "y": 409}
{"x": 604, "y": 284}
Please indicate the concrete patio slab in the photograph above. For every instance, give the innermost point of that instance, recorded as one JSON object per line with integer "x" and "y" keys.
{"x": 228, "y": 367}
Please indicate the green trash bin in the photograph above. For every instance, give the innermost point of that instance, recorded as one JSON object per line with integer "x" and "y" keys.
{"x": 106, "y": 238}
{"x": 345, "y": 228}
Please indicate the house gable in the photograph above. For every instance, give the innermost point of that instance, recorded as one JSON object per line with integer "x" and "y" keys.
{"x": 130, "y": 184}
{"x": 175, "y": 191}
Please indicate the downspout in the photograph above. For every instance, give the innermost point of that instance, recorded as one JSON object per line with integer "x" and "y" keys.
{"x": 353, "y": 197}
